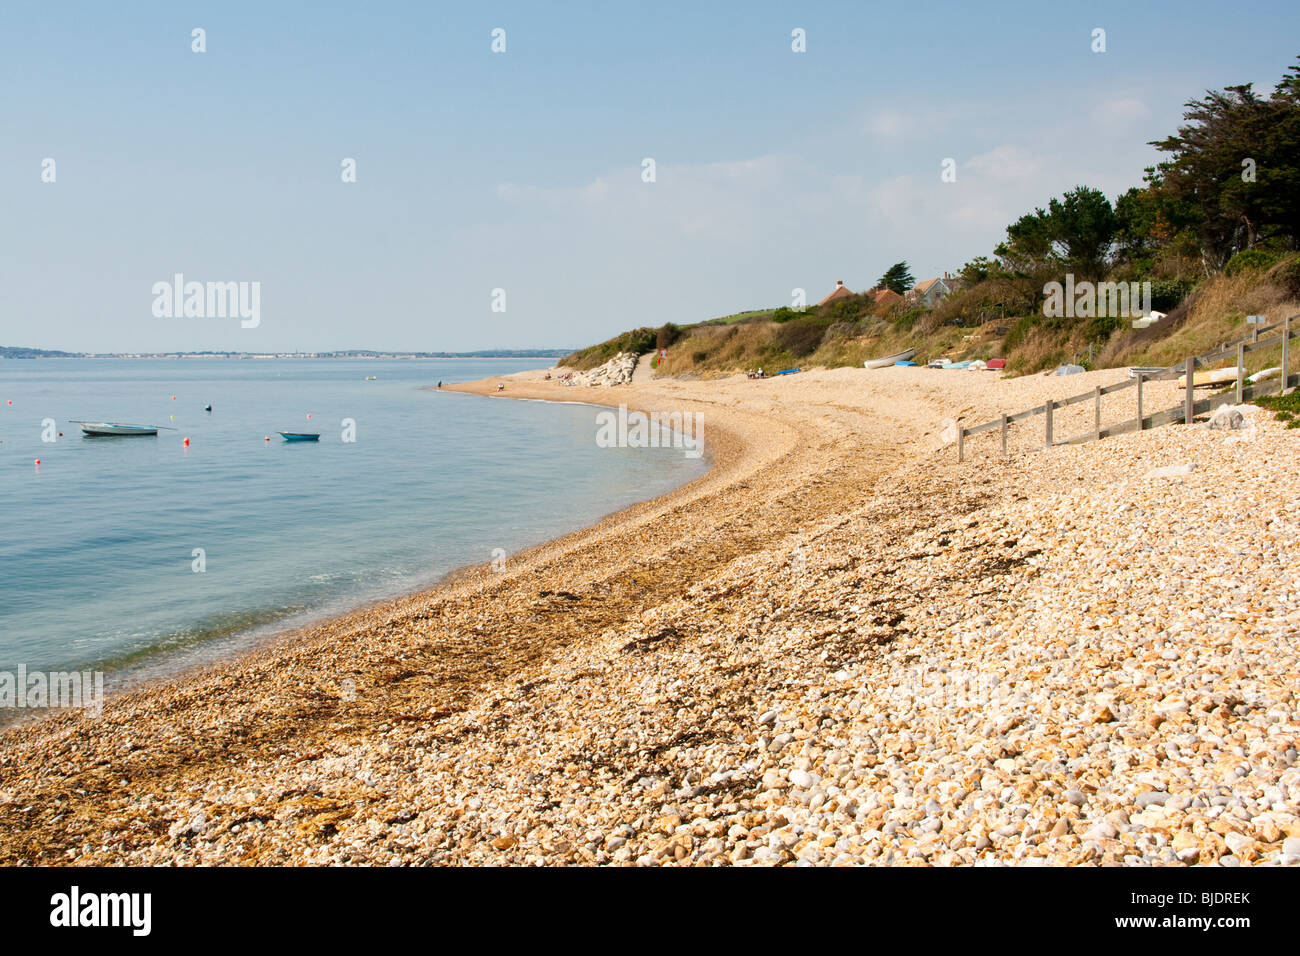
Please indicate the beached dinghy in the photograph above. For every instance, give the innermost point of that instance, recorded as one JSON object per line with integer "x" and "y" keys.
{"x": 889, "y": 359}
{"x": 117, "y": 428}
{"x": 1218, "y": 376}
{"x": 300, "y": 436}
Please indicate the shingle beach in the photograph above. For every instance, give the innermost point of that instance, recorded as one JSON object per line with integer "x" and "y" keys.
{"x": 838, "y": 646}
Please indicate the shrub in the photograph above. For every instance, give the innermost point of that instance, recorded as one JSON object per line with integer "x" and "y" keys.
{"x": 1102, "y": 327}
{"x": 1167, "y": 293}
{"x": 1248, "y": 260}
{"x": 801, "y": 337}
{"x": 667, "y": 335}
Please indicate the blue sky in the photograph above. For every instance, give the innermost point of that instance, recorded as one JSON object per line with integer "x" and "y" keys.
{"x": 522, "y": 170}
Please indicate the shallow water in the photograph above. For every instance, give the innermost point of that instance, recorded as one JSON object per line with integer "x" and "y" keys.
{"x": 136, "y": 555}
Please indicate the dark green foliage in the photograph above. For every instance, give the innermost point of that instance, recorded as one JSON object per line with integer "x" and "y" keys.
{"x": 897, "y": 278}
{"x": 1103, "y": 326}
{"x": 1249, "y": 259}
{"x": 667, "y": 335}
{"x": 1166, "y": 294}
{"x": 1233, "y": 177}
{"x": 1076, "y": 230}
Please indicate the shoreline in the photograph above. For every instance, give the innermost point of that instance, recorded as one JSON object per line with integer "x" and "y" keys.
{"x": 836, "y": 646}
{"x": 190, "y": 663}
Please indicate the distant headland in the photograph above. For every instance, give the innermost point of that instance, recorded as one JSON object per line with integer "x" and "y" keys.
{"x": 13, "y": 352}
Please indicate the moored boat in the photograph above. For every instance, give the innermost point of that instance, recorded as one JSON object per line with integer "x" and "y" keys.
{"x": 117, "y": 428}
{"x": 300, "y": 436}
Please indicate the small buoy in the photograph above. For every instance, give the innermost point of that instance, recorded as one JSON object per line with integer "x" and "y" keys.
{"x": 186, "y": 443}
{"x": 309, "y": 414}
{"x": 11, "y": 401}
{"x": 267, "y": 438}
{"x": 172, "y": 417}
{"x": 173, "y": 398}
{"x": 38, "y": 461}
{"x": 207, "y": 408}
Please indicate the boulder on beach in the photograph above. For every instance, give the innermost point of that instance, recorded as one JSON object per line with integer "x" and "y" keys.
{"x": 617, "y": 371}
{"x": 1226, "y": 418}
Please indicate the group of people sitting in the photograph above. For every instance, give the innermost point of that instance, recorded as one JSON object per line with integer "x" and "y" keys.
{"x": 755, "y": 373}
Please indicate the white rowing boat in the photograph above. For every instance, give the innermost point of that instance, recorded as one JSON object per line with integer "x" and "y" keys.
{"x": 118, "y": 428}
{"x": 889, "y": 359}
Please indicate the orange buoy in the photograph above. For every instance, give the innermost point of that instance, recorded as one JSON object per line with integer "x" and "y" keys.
{"x": 186, "y": 443}
{"x": 267, "y": 438}
{"x": 38, "y": 461}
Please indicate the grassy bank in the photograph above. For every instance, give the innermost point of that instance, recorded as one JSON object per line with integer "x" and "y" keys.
{"x": 999, "y": 317}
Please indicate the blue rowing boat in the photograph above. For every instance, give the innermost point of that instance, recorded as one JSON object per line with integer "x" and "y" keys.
{"x": 300, "y": 436}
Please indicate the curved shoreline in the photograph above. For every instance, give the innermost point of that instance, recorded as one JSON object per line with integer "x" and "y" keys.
{"x": 139, "y": 712}
{"x": 171, "y": 667}
{"x": 838, "y": 646}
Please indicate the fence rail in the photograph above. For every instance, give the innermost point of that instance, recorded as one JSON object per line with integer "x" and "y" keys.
{"x": 1186, "y": 412}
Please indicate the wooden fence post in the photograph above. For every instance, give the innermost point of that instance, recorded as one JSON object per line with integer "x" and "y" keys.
{"x": 1241, "y": 368}
{"x": 1050, "y": 405}
{"x": 1004, "y": 434}
{"x": 1189, "y": 400}
{"x": 1096, "y": 425}
{"x": 1139, "y": 428}
{"x": 961, "y": 443}
{"x": 1286, "y": 343}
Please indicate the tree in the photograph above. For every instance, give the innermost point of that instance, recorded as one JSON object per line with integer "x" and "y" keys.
{"x": 897, "y": 278}
{"x": 1076, "y": 230}
{"x": 1234, "y": 171}
{"x": 1084, "y": 225}
{"x": 977, "y": 270}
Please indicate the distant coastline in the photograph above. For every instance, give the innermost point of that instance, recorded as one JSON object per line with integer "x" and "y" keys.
{"x": 11, "y": 352}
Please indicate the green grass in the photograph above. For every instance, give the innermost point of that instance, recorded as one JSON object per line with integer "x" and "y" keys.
{"x": 1286, "y": 407}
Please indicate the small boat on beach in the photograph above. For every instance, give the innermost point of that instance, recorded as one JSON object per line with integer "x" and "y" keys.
{"x": 120, "y": 429}
{"x": 300, "y": 436}
{"x": 1218, "y": 376}
{"x": 889, "y": 359}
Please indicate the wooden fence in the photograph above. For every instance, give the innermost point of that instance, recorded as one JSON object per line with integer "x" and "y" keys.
{"x": 1186, "y": 412}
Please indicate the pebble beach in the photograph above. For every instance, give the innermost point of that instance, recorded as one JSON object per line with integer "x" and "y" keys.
{"x": 839, "y": 646}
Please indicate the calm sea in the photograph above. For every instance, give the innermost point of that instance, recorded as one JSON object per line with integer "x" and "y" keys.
{"x": 137, "y": 556}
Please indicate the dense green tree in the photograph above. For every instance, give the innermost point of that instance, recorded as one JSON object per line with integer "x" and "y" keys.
{"x": 1234, "y": 169}
{"x": 897, "y": 278}
{"x": 1076, "y": 231}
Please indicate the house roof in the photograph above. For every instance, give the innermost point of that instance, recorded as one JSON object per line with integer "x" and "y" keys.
{"x": 884, "y": 295}
{"x": 841, "y": 290}
{"x": 924, "y": 287}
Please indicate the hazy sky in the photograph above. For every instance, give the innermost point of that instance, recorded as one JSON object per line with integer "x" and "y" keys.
{"x": 522, "y": 170}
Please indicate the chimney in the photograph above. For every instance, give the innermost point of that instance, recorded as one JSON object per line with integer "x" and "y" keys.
{"x": 838, "y": 283}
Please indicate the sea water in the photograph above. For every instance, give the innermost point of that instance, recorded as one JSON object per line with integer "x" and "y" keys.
{"x": 137, "y": 556}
